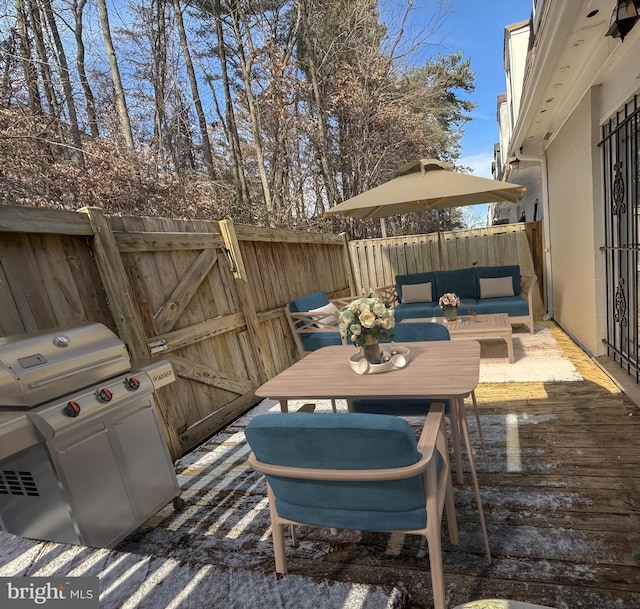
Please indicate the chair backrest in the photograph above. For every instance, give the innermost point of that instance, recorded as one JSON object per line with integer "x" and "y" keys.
{"x": 311, "y": 301}
{"x": 341, "y": 442}
{"x": 306, "y": 333}
{"x": 411, "y": 331}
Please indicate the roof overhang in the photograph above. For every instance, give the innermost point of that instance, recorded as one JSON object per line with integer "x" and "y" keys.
{"x": 570, "y": 54}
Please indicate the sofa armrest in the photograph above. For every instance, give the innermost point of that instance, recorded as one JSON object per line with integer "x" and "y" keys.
{"x": 387, "y": 293}
{"x": 527, "y": 283}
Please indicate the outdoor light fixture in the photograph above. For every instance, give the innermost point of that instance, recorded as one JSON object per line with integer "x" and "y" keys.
{"x": 623, "y": 18}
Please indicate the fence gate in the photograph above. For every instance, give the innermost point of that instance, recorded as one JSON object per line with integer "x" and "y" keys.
{"x": 621, "y": 168}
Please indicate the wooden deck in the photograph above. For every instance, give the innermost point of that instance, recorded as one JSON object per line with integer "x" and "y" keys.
{"x": 561, "y": 500}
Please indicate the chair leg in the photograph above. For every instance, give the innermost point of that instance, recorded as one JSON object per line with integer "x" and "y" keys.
{"x": 450, "y": 510}
{"x": 292, "y": 529}
{"x": 437, "y": 569}
{"x": 476, "y": 486}
{"x": 277, "y": 534}
{"x": 484, "y": 449}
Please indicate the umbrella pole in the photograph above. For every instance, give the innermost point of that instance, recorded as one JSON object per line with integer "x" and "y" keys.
{"x": 439, "y": 239}
{"x": 383, "y": 228}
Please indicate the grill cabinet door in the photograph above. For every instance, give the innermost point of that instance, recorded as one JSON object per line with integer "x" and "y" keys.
{"x": 145, "y": 459}
{"x": 97, "y": 491}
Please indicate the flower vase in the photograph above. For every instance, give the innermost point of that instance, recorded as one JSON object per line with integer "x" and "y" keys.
{"x": 372, "y": 352}
{"x": 451, "y": 313}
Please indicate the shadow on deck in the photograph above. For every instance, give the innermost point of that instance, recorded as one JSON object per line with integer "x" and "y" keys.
{"x": 561, "y": 501}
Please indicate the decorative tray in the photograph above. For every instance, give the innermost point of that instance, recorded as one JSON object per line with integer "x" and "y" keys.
{"x": 394, "y": 357}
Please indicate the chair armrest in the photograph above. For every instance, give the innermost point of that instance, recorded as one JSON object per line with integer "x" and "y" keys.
{"x": 353, "y": 475}
{"x": 387, "y": 293}
{"x": 431, "y": 430}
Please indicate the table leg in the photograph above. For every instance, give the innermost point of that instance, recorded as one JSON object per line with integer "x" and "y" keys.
{"x": 476, "y": 486}
{"x": 284, "y": 405}
{"x": 509, "y": 340}
{"x": 454, "y": 416}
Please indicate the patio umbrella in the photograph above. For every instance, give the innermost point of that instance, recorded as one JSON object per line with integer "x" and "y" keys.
{"x": 423, "y": 185}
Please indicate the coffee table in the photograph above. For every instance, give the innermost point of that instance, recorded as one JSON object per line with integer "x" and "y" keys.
{"x": 494, "y": 325}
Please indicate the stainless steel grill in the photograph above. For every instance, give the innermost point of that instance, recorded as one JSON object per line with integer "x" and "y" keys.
{"x": 82, "y": 453}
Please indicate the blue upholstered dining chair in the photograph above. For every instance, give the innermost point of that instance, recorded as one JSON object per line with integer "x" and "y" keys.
{"x": 356, "y": 471}
{"x": 413, "y": 332}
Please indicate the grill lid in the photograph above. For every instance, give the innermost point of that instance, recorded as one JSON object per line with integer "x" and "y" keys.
{"x": 37, "y": 367}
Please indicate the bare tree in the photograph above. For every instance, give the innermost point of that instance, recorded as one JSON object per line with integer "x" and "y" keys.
{"x": 65, "y": 80}
{"x": 28, "y": 61}
{"x": 118, "y": 89}
{"x": 195, "y": 91}
{"x": 44, "y": 65}
{"x": 78, "y": 12}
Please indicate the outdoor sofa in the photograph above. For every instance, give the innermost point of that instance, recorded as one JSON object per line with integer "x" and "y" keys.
{"x": 482, "y": 290}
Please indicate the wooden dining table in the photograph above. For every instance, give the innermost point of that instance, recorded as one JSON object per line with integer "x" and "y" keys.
{"x": 447, "y": 370}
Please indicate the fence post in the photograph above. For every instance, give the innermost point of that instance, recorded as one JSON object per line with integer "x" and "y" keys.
{"x": 123, "y": 306}
{"x": 348, "y": 263}
{"x": 258, "y": 340}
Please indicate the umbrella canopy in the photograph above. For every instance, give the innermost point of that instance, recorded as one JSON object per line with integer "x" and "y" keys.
{"x": 423, "y": 185}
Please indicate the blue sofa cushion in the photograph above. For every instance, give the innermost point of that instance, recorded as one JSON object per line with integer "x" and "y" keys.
{"x": 414, "y": 279}
{"x": 341, "y": 441}
{"x": 513, "y": 306}
{"x": 410, "y": 332}
{"x": 462, "y": 282}
{"x": 415, "y": 310}
{"x": 492, "y": 272}
{"x": 306, "y": 303}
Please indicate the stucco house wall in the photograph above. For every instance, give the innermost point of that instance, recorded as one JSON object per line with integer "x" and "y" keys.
{"x": 575, "y": 222}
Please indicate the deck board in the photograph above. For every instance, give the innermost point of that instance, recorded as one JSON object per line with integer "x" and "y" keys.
{"x": 562, "y": 508}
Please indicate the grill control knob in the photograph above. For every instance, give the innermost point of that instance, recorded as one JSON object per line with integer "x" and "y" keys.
{"x": 72, "y": 409}
{"x": 104, "y": 395}
{"x": 132, "y": 383}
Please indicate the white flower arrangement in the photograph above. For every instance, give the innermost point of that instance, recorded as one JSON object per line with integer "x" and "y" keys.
{"x": 366, "y": 320}
{"x": 449, "y": 300}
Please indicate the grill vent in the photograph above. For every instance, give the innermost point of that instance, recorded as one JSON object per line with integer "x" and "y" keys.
{"x": 18, "y": 483}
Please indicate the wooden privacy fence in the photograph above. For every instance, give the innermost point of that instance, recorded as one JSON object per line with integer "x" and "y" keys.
{"x": 207, "y": 296}
{"x": 376, "y": 262}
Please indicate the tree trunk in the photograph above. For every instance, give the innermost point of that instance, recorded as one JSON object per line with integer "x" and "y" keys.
{"x": 28, "y": 66}
{"x": 77, "y": 155}
{"x": 121, "y": 103}
{"x": 78, "y": 10}
{"x": 195, "y": 93}
{"x": 322, "y": 145}
{"x": 45, "y": 69}
{"x": 158, "y": 34}
{"x": 246, "y": 60}
{"x": 237, "y": 161}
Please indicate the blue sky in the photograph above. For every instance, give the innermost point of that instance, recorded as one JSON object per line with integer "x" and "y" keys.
{"x": 476, "y": 27}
